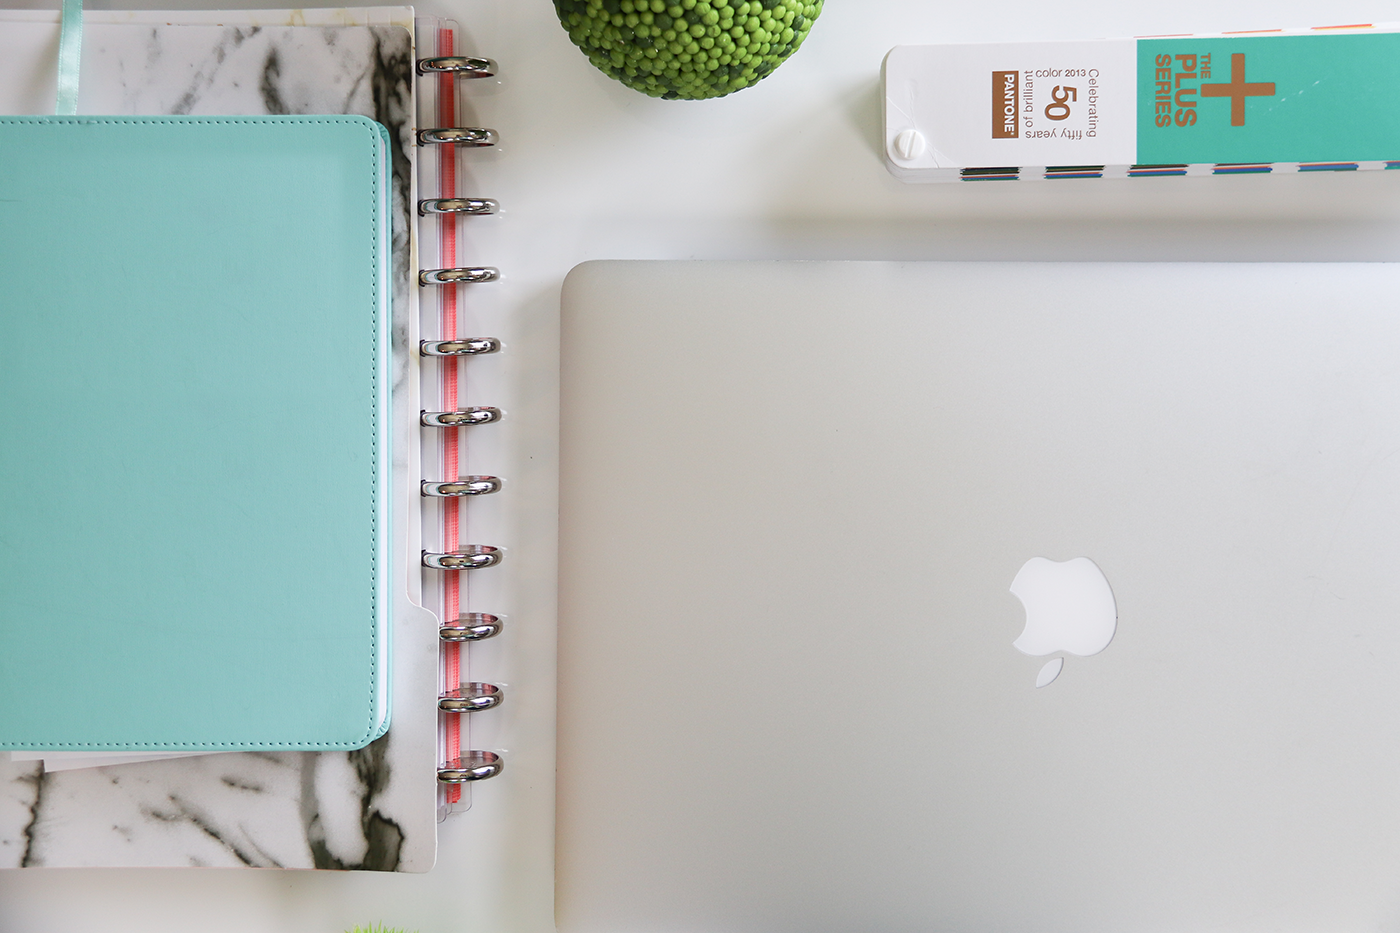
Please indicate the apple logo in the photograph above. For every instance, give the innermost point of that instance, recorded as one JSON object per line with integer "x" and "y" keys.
{"x": 1069, "y": 608}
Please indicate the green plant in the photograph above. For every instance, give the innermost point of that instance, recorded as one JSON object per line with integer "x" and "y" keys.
{"x": 376, "y": 928}
{"x": 690, "y": 49}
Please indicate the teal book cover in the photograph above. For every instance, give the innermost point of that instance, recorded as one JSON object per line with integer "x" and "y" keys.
{"x": 193, "y": 430}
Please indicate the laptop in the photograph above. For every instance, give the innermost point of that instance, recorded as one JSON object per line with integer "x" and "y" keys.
{"x": 797, "y": 689}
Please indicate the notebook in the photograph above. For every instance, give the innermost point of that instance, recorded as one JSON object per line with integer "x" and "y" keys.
{"x": 825, "y": 527}
{"x": 374, "y": 808}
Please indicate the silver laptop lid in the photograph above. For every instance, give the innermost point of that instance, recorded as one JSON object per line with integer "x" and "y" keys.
{"x": 795, "y": 500}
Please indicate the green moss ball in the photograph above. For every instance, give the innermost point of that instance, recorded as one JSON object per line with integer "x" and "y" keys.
{"x": 691, "y": 49}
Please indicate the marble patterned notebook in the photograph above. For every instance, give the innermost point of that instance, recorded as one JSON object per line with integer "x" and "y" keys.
{"x": 371, "y": 809}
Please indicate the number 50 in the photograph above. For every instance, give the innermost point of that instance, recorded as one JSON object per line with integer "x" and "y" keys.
{"x": 1059, "y": 110}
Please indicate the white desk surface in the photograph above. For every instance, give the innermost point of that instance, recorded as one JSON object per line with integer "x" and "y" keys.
{"x": 789, "y": 169}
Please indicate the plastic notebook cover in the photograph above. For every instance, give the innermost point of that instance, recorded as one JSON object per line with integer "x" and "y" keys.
{"x": 369, "y": 808}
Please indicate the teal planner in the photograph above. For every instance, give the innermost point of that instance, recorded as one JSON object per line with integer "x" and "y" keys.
{"x": 194, "y": 465}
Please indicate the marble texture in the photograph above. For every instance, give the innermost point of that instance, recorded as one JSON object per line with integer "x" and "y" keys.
{"x": 372, "y": 809}
{"x": 274, "y": 810}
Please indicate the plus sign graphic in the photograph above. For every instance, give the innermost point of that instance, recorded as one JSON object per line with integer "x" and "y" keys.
{"x": 1237, "y": 90}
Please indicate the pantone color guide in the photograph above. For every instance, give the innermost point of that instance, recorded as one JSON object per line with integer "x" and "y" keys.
{"x": 1269, "y": 101}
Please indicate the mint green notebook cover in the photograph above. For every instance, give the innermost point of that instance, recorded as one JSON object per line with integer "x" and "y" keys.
{"x": 193, "y": 438}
